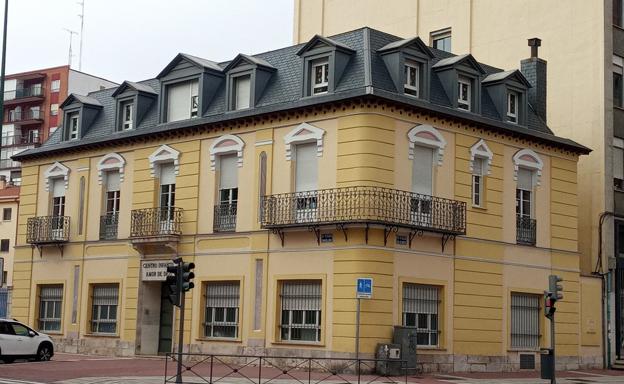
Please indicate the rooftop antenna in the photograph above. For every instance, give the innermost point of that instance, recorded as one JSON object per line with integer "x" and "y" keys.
{"x": 81, "y": 15}
{"x": 71, "y": 35}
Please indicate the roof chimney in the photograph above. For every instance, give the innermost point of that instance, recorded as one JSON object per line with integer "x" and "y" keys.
{"x": 534, "y": 69}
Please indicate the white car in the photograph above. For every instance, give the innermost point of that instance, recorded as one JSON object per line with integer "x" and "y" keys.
{"x": 18, "y": 341}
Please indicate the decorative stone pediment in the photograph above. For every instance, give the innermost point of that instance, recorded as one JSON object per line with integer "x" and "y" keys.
{"x": 304, "y": 133}
{"x": 112, "y": 161}
{"x": 481, "y": 150}
{"x": 164, "y": 154}
{"x": 426, "y": 136}
{"x": 527, "y": 158}
{"x": 224, "y": 145}
{"x": 56, "y": 170}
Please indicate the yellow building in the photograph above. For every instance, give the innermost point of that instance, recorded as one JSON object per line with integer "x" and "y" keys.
{"x": 9, "y": 199}
{"x": 287, "y": 175}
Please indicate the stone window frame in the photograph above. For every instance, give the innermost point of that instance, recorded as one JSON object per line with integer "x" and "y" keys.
{"x": 427, "y": 136}
{"x": 226, "y": 144}
{"x": 164, "y": 154}
{"x": 528, "y": 159}
{"x": 104, "y": 165}
{"x": 56, "y": 170}
{"x": 296, "y": 136}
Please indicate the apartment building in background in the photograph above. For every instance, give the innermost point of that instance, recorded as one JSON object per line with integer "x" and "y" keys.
{"x": 285, "y": 176}
{"x": 31, "y": 109}
{"x": 583, "y": 44}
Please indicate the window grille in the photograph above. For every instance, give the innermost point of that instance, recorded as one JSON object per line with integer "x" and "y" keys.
{"x": 222, "y": 306}
{"x": 104, "y": 308}
{"x": 50, "y": 302}
{"x": 524, "y": 321}
{"x": 420, "y": 310}
{"x": 301, "y": 310}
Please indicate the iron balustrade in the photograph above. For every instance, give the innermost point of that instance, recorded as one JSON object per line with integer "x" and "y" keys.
{"x": 47, "y": 229}
{"x": 108, "y": 226}
{"x": 155, "y": 222}
{"x": 17, "y": 140}
{"x": 525, "y": 230}
{"x": 224, "y": 217}
{"x": 31, "y": 114}
{"x": 374, "y": 205}
{"x": 22, "y": 93}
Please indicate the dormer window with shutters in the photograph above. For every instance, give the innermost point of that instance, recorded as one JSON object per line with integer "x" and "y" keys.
{"x": 508, "y": 91}
{"x": 247, "y": 78}
{"x": 408, "y": 63}
{"x": 460, "y": 77}
{"x": 79, "y": 113}
{"x": 182, "y": 100}
{"x": 134, "y": 100}
{"x": 241, "y": 92}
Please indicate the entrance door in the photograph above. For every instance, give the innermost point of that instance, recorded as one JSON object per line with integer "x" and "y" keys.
{"x": 165, "y": 332}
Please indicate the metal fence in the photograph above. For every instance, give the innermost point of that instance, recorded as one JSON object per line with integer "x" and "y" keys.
{"x": 211, "y": 369}
{"x": 225, "y": 217}
{"x": 155, "y": 222}
{"x": 525, "y": 230}
{"x": 47, "y": 229}
{"x": 108, "y": 226}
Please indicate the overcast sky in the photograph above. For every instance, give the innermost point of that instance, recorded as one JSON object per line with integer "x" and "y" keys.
{"x": 135, "y": 39}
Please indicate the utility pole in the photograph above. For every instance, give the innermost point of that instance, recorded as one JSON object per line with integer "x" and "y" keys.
{"x": 71, "y": 36}
{"x": 81, "y": 3}
{"x": 2, "y": 69}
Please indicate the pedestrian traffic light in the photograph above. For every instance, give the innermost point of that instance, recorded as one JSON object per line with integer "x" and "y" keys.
{"x": 172, "y": 281}
{"x": 549, "y": 305}
{"x": 187, "y": 276}
{"x": 554, "y": 287}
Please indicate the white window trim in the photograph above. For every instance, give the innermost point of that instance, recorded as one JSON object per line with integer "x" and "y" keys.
{"x": 104, "y": 166}
{"x": 294, "y": 137}
{"x": 466, "y": 81}
{"x": 535, "y": 165}
{"x": 481, "y": 150}
{"x": 415, "y": 136}
{"x": 71, "y": 116}
{"x": 56, "y": 170}
{"x": 164, "y": 154}
{"x": 416, "y": 88}
{"x": 127, "y": 125}
{"x": 216, "y": 149}
{"x": 509, "y": 113}
{"x": 321, "y": 63}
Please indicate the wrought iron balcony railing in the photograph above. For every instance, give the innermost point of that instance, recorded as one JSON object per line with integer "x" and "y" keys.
{"x": 224, "y": 217}
{"x": 155, "y": 222}
{"x": 17, "y": 117}
{"x": 17, "y": 140}
{"x": 525, "y": 230}
{"x": 22, "y": 93}
{"x": 108, "y": 226}
{"x": 371, "y": 205}
{"x": 47, "y": 229}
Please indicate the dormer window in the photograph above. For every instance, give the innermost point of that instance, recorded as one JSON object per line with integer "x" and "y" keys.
{"x": 241, "y": 92}
{"x": 512, "y": 107}
{"x": 464, "y": 93}
{"x": 320, "y": 76}
{"x": 412, "y": 78}
{"x": 194, "y": 105}
{"x": 73, "y": 125}
{"x": 127, "y": 108}
{"x": 182, "y": 100}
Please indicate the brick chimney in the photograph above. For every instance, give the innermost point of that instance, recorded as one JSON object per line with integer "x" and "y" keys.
{"x": 534, "y": 69}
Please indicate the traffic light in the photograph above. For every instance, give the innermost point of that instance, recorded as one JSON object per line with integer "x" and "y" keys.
{"x": 549, "y": 305}
{"x": 186, "y": 276}
{"x": 554, "y": 288}
{"x": 172, "y": 281}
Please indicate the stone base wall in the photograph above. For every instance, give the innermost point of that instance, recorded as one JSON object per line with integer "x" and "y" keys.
{"x": 105, "y": 346}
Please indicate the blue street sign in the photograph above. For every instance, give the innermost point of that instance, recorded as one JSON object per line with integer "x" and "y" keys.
{"x": 364, "y": 288}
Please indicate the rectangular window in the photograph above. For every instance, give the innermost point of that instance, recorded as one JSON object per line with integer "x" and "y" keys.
{"x": 50, "y": 305}
{"x": 241, "y": 97}
{"x": 4, "y": 245}
{"x": 104, "y": 304}
{"x": 320, "y": 76}
{"x": 525, "y": 318}
{"x": 73, "y": 125}
{"x": 301, "y": 303}
{"x": 182, "y": 100}
{"x": 222, "y": 308}
{"x": 618, "y": 163}
{"x": 422, "y": 185}
{"x": 464, "y": 93}
{"x": 113, "y": 192}
{"x": 412, "y": 78}
{"x": 512, "y": 107}
{"x": 54, "y": 109}
{"x": 477, "y": 181}
{"x": 225, "y": 212}
{"x": 618, "y": 16}
{"x": 524, "y": 191}
{"x": 127, "y": 110}
{"x": 618, "y": 87}
{"x": 306, "y": 178}
{"x": 441, "y": 40}
{"x": 55, "y": 85}
{"x": 7, "y": 213}
{"x": 420, "y": 311}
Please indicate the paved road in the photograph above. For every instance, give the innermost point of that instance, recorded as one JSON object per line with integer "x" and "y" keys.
{"x": 81, "y": 369}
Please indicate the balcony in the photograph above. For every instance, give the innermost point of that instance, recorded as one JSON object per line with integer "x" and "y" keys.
{"x": 525, "y": 230}
{"x": 224, "y": 217}
{"x": 45, "y": 230}
{"x": 108, "y": 226}
{"x": 9, "y": 164}
{"x": 367, "y": 206}
{"x": 23, "y": 95}
{"x": 155, "y": 226}
{"x": 19, "y": 140}
{"x": 31, "y": 116}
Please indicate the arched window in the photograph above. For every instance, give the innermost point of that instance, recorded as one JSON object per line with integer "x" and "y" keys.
{"x": 480, "y": 163}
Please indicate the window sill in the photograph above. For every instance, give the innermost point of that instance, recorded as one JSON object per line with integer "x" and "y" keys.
{"x": 220, "y": 339}
{"x": 523, "y": 350}
{"x": 103, "y": 335}
{"x": 479, "y": 207}
{"x": 299, "y": 343}
{"x": 423, "y": 348}
{"x": 53, "y": 333}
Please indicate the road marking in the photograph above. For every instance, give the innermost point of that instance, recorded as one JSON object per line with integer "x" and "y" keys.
{"x": 11, "y": 381}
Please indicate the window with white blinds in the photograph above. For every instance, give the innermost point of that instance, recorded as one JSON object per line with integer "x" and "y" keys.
{"x": 422, "y": 170}
{"x": 50, "y": 304}
{"x": 242, "y": 92}
{"x": 181, "y": 99}
{"x": 301, "y": 303}
{"x": 477, "y": 181}
{"x": 420, "y": 310}
{"x": 58, "y": 197}
{"x": 228, "y": 171}
{"x": 112, "y": 192}
{"x": 525, "y": 330}
{"x": 524, "y": 193}
{"x": 222, "y": 309}
{"x": 167, "y": 174}
{"x": 306, "y": 167}
{"x": 104, "y": 304}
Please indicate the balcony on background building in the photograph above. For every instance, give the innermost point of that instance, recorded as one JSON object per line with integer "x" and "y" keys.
{"x": 108, "y": 226}
{"x": 390, "y": 208}
{"x": 9, "y": 164}
{"x": 46, "y": 230}
{"x": 19, "y": 140}
{"x": 525, "y": 230}
{"x": 31, "y": 116}
{"x": 224, "y": 217}
{"x": 34, "y": 92}
{"x": 156, "y": 226}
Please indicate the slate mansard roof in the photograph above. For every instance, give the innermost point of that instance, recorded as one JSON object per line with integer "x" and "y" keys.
{"x": 365, "y": 75}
